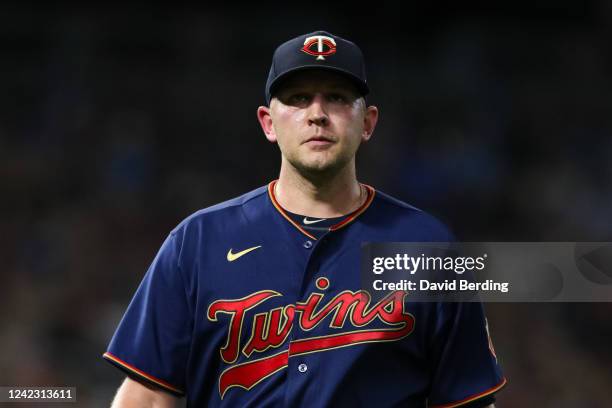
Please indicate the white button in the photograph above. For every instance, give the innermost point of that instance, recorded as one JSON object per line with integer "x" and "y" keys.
{"x": 302, "y": 368}
{"x": 308, "y": 244}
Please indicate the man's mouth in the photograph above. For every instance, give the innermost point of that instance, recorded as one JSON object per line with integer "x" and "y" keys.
{"x": 319, "y": 141}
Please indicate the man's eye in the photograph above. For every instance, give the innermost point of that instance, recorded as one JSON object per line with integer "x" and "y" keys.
{"x": 336, "y": 98}
{"x": 298, "y": 98}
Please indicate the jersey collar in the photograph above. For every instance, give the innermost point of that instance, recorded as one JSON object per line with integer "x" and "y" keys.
{"x": 371, "y": 192}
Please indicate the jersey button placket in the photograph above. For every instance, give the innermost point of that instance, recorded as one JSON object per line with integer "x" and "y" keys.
{"x": 300, "y": 373}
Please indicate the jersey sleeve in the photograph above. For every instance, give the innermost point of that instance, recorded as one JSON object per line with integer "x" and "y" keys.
{"x": 465, "y": 367}
{"x": 153, "y": 339}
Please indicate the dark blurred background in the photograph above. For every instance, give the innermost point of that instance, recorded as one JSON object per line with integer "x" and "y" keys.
{"x": 117, "y": 122}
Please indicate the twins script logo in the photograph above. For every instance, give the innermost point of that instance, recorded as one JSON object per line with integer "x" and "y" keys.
{"x": 320, "y": 41}
{"x": 271, "y": 329}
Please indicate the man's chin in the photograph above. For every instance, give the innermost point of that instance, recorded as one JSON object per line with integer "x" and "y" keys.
{"x": 318, "y": 168}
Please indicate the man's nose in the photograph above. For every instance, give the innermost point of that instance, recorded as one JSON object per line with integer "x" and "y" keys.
{"x": 317, "y": 111}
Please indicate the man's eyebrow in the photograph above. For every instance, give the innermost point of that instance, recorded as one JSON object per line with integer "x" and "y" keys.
{"x": 343, "y": 88}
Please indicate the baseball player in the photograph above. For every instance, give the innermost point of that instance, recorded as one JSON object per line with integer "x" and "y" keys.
{"x": 257, "y": 301}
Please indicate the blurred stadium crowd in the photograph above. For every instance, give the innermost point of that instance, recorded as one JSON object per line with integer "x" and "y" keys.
{"x": 118, "y": 123}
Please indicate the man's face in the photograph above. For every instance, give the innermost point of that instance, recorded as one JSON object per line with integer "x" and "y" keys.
{"x": 318, "y": 119}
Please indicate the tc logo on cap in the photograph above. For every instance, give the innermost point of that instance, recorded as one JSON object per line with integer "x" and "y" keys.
{"x": 319, "y": 41}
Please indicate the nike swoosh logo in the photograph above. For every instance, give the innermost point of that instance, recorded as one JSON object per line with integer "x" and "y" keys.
{"x": 231, "y": 257}
{"x": 308, "y": 222}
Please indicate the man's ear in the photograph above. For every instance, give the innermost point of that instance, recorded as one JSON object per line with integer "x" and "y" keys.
{"x": 370, "y": 118}
{"x": 265, "y": 120}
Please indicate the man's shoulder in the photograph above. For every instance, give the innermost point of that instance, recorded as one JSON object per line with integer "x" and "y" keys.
{"x": 231, "y": 209}
{"x": 408, "y": 220}
{"x": 394, "y": 203}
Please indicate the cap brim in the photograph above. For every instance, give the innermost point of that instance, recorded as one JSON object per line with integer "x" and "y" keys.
{"x": 362, "y": 87}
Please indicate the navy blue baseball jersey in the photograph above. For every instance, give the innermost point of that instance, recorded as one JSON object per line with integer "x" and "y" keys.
{"x": 246, "y": 306}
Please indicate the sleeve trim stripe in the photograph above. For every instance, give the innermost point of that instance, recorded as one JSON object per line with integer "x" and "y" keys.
{"x": 473, "y": 397}
{"x": 131, "y": 368}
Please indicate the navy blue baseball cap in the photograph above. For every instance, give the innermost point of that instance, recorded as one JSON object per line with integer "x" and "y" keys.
{"x": 317, "y": 50}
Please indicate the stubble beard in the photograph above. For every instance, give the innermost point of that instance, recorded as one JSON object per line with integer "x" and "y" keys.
{"x": 320, "y": 171}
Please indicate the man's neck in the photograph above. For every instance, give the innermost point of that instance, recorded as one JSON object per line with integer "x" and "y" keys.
{"x": 321, "y": 197}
